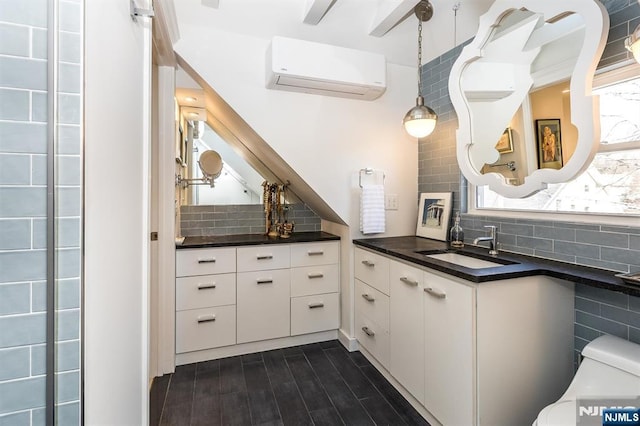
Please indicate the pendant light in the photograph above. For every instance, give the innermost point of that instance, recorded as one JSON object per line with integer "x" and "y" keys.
{"x": 420, "y": 120}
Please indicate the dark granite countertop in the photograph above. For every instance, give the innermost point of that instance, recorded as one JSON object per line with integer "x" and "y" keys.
{"x": 253, "y": 239}
{"x": 520, "y": 265}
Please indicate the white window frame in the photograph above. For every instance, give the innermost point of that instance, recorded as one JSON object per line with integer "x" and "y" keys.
{"x": 604, "y": 78}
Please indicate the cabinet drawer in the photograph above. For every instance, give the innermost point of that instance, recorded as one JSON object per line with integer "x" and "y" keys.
{"x": 373, "y": 338}
{"x": 263, "y": 305}
{"x": 205, "y": 261}
{"x": 309, "y": 254}
{"x": 310, "y": 314}
{"x": 205, "y": 290}
{"x": 199, "y": 329}
{"x": 373, "y": 304}
{"x": 263, "y": 257}
{"x": 314, "y": 280}
{"x": 372, "y": 269}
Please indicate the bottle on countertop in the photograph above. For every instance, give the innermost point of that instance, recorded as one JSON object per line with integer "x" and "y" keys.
{"x": 457, "y": 234}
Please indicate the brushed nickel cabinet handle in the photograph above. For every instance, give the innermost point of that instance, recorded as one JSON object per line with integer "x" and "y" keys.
{"x": 312, "y": 276}
{"x": 265, "y": 257}
{"x": 206, "y": 318}
{"x": 368, "y": 298}
{"x": 435, "y": 293}
{"x": 316, "y": 305}
{"x": 315, "y": 253}
{"x": 206, "y": 286}
{"x": 368, "y": 263}
{"x": 212, "y": 260}
{"x": 408, "y": 281}
{"x": 267, "y": 281}
{"x": 368, "y": 332}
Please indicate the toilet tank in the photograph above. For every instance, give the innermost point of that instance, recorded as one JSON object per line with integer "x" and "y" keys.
{"x": 615, "y": 352}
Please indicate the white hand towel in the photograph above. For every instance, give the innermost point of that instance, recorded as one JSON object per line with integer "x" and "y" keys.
{"x": 372, "y": 219}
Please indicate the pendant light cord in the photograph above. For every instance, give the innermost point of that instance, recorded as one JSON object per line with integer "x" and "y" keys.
{"x": 419, "y": 56}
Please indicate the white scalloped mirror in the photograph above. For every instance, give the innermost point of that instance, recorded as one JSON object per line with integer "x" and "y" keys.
{"x": 522, "y": 93}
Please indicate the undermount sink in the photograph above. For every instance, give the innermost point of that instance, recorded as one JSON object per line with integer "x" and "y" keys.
{"x": 465, "y": 260}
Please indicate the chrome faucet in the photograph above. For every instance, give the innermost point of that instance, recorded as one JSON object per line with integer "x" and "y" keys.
{"x": 493, "y": 240}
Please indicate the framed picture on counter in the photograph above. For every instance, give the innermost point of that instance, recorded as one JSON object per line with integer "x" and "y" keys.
{"x": 549, "y": 144}
{"x": 434, "y": 212}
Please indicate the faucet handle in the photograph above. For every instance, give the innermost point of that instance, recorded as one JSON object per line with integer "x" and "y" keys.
{"x": 492, "y": 228}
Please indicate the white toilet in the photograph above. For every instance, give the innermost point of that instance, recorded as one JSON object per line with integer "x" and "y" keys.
{"x": 610, "y": 369}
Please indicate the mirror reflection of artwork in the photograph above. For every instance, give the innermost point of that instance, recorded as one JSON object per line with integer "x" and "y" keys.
{"x": 505, "y": 144}
{"x": 434, "y": 212}
{"x": 549, "y": 144}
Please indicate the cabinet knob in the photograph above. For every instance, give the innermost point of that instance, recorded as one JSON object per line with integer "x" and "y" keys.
{"x": 368, "y": 298}
{"x": 368, "y": 332}
{"x": 408, "y": 281}
{"x": 439, "y": 294}
{"x": 206, "y": 286}
{"x": 206, "y": 318}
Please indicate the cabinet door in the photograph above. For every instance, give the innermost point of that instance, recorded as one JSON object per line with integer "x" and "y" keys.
{"x": 448, "y": 349}
{"x": 406, "y": 327}
{"x": 263, "y": 305}
{"x": 372, "y": 269}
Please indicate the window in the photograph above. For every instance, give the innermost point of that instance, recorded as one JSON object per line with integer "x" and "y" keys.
{"x": 611, "y": 184}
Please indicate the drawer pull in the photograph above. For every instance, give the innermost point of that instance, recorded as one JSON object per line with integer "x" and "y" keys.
{"x": 436, "y": 293}
{"x": 316, "y": 305}
{"x": 212, "y": 260}
{"x": 265, "y": 257}
{"x": 267, "y": 281}
{"x": 206, "y": 286}
{"x": 368, "y": 263}
{"x": 368, "y": 298}
{"x": 408, "y": 281}
{"x": 312, "y": 276}
{"x": 368, "y": 332}
{"x": 206, "y": 318}
{"x": 315, "y": 253}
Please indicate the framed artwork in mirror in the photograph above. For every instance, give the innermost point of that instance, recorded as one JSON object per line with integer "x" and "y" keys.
{"x": 549, "y": 143}
{"x": 434, "y": 212}
{"x": 505, "y": 144}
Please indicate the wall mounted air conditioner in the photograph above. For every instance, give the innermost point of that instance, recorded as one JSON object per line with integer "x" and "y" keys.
{"x": 304, "y": 66}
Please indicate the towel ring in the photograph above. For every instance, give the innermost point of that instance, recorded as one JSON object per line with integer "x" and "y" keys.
{"x": 368, "y": 171}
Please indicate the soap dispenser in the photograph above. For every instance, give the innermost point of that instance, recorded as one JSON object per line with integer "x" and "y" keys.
{"x": 457, "y": 234}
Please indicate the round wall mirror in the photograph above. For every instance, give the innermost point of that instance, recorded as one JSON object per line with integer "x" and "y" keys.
{"x": 522, "y": 93}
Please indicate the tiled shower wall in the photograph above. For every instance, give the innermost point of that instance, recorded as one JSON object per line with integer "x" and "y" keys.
{"x": 23, "y": 191}
{"x": 605, "y": 245}
{"x": 240, "y": 219}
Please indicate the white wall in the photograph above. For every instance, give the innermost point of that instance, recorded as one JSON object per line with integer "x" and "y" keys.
{"x": 116, "y": 206}
{"x": 326, "y": 140}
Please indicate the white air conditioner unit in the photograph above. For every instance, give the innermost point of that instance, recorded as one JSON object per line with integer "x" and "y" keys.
{"x": 304, "y": 66}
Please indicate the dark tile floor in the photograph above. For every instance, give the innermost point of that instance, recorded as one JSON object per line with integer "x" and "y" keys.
{"x": 317, "y": 384}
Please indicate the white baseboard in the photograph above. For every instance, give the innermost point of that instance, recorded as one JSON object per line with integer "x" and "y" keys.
{"x": 348, "y": 342}
{"x": 252, "y": 347}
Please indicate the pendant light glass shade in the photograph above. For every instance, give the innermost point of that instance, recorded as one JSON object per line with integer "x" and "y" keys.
{"x": 633, "y": 44}
{"x": 420, "y": 120}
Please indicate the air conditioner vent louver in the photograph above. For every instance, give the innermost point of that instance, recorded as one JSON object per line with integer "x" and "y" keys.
{"x": 302, "y": 66}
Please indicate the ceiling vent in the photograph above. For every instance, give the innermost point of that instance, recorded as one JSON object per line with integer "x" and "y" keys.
{"x": 322, "y": 69}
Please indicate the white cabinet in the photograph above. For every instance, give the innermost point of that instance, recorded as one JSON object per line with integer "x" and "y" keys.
{"x": 492, "y": 353}
{"x": 205, "y": 299}
{"x": 448, "y": 349}
{"x": 229, "y": 300}
{"x": 263, "y": 305}
{"x": 372, "y": 321}
{"x": 406, "y": 327}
